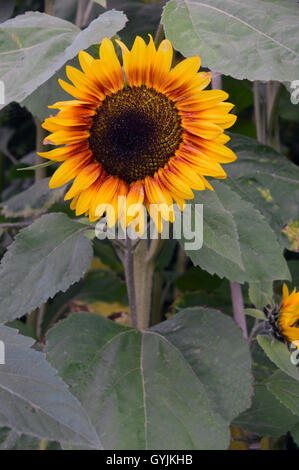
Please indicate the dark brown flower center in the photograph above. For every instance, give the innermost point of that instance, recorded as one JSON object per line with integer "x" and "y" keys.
{"x": 135, "y": 132}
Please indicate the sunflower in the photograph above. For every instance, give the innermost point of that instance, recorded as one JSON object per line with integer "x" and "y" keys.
{"x": 140, "y": 136}
{"x": 289, "y": 315}
{"x": 283, "y": 320}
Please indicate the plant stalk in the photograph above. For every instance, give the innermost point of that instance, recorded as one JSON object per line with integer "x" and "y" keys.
{"x": 238, "y": 307}
{"x": 128, "y": 261}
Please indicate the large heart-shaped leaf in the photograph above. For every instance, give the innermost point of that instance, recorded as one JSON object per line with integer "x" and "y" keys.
{"x": 35, "y": 401}
{"x": 45, "y": 258}
{"x": 257, "y": 40}
{"x": 35, "y": 45}
{"x": 138, "y": 388}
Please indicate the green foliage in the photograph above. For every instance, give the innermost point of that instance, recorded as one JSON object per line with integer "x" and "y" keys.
{"x": 260, "y": 293}
{"x": 35, "y": 401}
{"x": 34, "y": 200}
{"x": 280, "y": 355}
{"x": 35, "y": 45}
{"x": 266, "y": 416}
{"x": 50, "y": 255}
{"x": 237, "y": 38}
{"x": 151, "y": 390}
{"x": 266, "y": 179}
{"x": 286, "y": 390}
{"x": 238, "y": 242}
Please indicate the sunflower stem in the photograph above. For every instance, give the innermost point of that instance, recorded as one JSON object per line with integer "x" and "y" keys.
{"x": 128, "y": 261}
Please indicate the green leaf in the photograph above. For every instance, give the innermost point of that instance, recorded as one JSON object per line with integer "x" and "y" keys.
{"x": 280, "y": 355}
{"x": 213, "y": 345}
{"x": 103, "y": 249}
{"x": 36, "y": 167}
{"x": 45, "y": 258}
{"x": 102, "y": 286}
{"x": 35, "y": 45}
{"x": 253, "y": 312}
{"x": 266, "y": 179}
{"x": 103, "y": 3}
{"x": 49, "y": 93}
{"x": 267, "y": 416}
{"x": 235, "y": 235}
{"x": 285, "y": 389}
{"x": 23, "y": 328}
{"x": 257, "y": 40}
{"x": 39, "y": 197}
{"x": 261, "y": 294}
{"x": 206, "y": 299}
{"x": 197, "y": 279}
{"x": 137, "y": 387}
{"x": 35, "y": 401}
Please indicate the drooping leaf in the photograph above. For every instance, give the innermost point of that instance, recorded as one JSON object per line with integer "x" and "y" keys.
{"x": 256, "y": 40}
{"x": 138, "y": 389}
{"x": 45, "y": 258}
{"x": 237, "y": 241}
{"x": 35, "y": 401}
{"x": 33, "y": 200}
{"x": 35, "y": 45}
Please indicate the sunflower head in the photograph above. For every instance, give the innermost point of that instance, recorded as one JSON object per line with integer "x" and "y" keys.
{"x": 143, "y": 133}
{"x": 283, "y": 319}
{"x": 289, "y": 315}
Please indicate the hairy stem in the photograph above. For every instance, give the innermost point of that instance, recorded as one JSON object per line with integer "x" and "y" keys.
{"x": 128, "y": 261}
